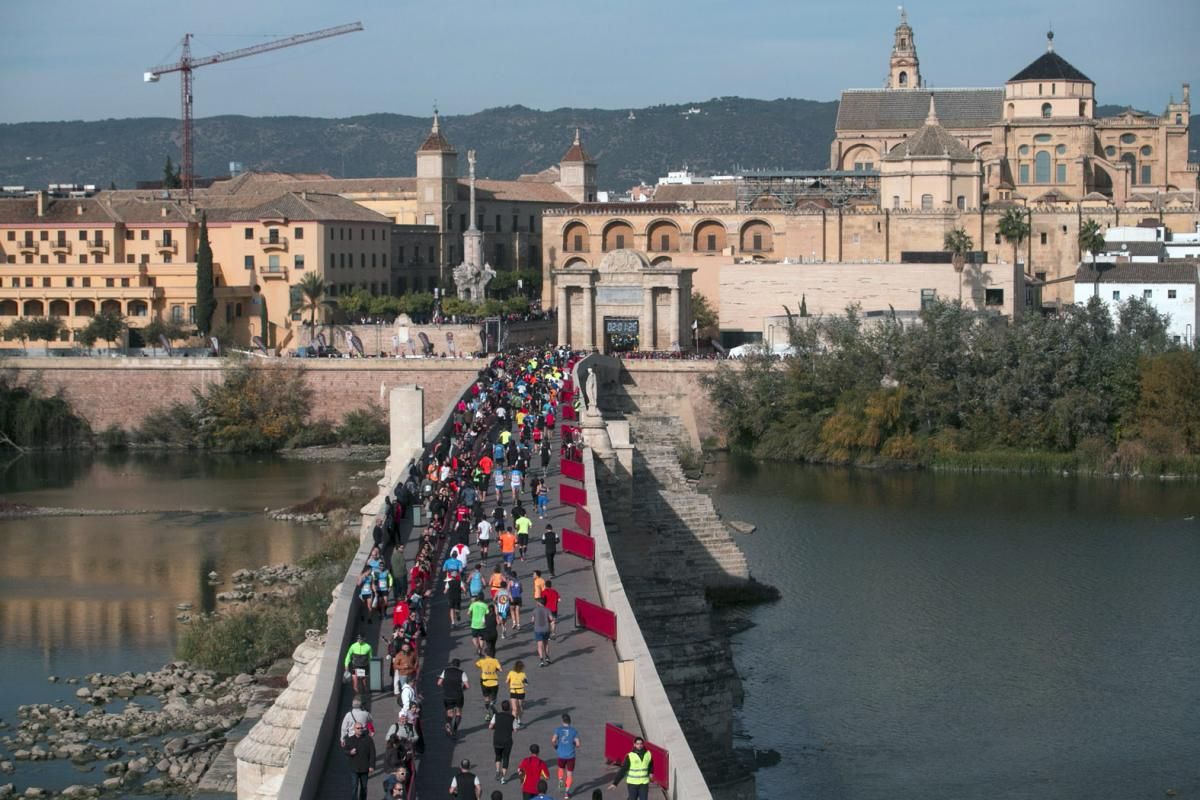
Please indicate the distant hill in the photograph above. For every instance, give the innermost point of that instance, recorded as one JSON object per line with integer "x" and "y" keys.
{"x": 715, "y": 136}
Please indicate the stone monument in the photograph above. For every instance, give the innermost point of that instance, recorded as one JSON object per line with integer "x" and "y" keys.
{"x": 472, "y": 276}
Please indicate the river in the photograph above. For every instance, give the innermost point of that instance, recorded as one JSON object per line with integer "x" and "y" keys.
{"x": 100, "y": 594}
{"x": 947, "y": 635}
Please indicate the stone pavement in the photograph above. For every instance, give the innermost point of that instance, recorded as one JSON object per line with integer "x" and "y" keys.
{"x": 581, "y": 681}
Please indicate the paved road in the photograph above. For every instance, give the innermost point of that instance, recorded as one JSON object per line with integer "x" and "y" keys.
{"x": 581, "y": 681}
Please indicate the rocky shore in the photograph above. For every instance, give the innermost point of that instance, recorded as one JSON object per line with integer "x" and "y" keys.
{"x": 169, "y": 727}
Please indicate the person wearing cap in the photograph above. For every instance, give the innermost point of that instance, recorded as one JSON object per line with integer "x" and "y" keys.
{"x": 460, "y": 784}
{"x": 357, "y": 662}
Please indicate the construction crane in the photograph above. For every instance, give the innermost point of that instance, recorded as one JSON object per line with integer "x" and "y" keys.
{"x": 186, "y": 64}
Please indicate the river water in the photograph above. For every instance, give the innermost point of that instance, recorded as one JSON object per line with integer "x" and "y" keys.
{"x": 961, "y": 636}
{"x": 99, "y": 594}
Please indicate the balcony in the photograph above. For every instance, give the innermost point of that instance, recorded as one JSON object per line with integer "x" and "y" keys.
{"x": 274, "y": 243}
{"x": 166, "y": 246}
{"x": 28, "y": 248}
{"x": 98, "y": 247}
{"x": 269, "y": 272}
{"x": 61, "y": 248}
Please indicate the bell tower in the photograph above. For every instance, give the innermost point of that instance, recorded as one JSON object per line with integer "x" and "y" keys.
{"x": 905, "y": 72}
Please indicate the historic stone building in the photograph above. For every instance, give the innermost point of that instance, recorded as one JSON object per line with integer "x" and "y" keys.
{"x": 908, "y": 165}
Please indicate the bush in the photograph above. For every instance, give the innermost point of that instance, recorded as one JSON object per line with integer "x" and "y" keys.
{"x": 175, "y": 425}
{"x": 365, "y": 426}
{"x": 31, "y": 419}
{"x": 114, "y": 438}
{"x": 315, "y": 434}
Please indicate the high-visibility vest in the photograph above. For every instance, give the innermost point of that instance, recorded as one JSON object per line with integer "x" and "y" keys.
{"x": 639, "y": 769}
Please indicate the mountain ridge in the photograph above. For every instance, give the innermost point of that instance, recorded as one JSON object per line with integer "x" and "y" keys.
{"x": 719, "y": 135}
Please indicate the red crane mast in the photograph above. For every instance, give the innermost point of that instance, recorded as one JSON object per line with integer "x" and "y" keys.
{"x": 186, "y": 64}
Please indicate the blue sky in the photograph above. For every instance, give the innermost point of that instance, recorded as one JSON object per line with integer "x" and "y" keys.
{"x": 70, "y": 59}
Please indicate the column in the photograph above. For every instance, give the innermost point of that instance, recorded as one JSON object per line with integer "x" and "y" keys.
{"x": 647, "y": 321}
{"x": 589, "y": 317}
{"x": 674, "y": 321}
{"x": 564, "y": 316}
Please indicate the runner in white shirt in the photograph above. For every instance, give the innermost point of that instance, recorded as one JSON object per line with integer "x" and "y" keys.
{"x": 485, "y": 538}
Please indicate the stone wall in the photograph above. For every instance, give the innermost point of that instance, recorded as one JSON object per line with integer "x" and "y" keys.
{"x": 122, "y": 391}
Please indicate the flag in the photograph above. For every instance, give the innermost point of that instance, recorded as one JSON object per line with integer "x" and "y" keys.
{"x": 166, "y": 345}
{"x": 695, "y": 325}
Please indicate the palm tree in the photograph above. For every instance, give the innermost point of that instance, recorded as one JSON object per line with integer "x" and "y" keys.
{"x": 312, "y": 293}
{"x": 1014, "y": 227}
{"x": 959, "y": 243}
{"x": 1091, "y": 239}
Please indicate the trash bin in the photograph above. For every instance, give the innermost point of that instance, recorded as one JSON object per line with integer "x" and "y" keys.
{"x": 375, "y": 674}
{"x": 418, "y": 519}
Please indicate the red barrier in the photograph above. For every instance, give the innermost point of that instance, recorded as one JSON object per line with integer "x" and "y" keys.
{"x": 595, "y": 618}
{"x": 569, "y": 430}
{"x": 583, "y": 520}
{"x": 568, "y": 413}
{"x": 565, "y": 396}
{"x": 569, "y": 495}
{"x": 617, "y": 744}
{"x": 578, "y": 544}
{"x": 572, "y": 469}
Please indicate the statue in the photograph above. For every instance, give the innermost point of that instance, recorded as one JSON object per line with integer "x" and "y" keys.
{"x": 472, "y": 276}
{"x": 590, "y": 398}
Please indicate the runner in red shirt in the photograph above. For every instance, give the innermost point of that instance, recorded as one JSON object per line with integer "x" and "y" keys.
{"x": 532, "y": 769}
{"x": 552, "y": 597}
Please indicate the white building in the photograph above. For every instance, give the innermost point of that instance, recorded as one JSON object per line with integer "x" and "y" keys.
{"x": 1169, "y": 287}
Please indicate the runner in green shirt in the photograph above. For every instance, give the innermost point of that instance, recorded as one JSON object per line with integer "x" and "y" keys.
{"x": 479, "y": 613}
{"x": 522, "y": 524}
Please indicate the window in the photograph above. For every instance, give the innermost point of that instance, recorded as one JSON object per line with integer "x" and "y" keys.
{"x": 664, "y": 241}
{"x": 400, "y": 255}
{"x": 532, "y": 227}
{"x": 43, "y": 259}
{"x": 1043, "y": 237}
{"x": 1023, "y": 150}
{"x": 1110, "y": 151}
{"x": 462, "y": 222}
{"x": 431, "y": 256}
{"x": 124, "y": 283}
{"x": 1147, "y": 294}
{"x": 578, "y": 243}
{"x": 82, "y": 259}
{"x": 1061, "y": 149}
{"x": 904, "y": 78}
{"x": 362, "y": 234}
{"x": 362, "y": 260}
{"x": 961, "y": 202}
{"x": 497, "y": 223}
{"x": 1042, "y": 138}
{"x": 87, "y": 283}
{"x": 895, "y": 201}
{"x": 192, "y": 314}
{"x": 342, "y": 231}
{"x": 29, "y": 283}
{"x": 1128, "y": 138}
{"x": 248, "y": 261}
{"x": 176, "y": 313}
{"x": 620, "y": 241}
{"x": 341, "y": 260}
{"x": 1046, "y": 111}
{"x": 273, "y": 263}
{"x": 145, "y": 236}
{"x": 993, "y": 297}
{"x": 712, "y": 242}
{"x": 166, "y": 258}
{"x": 383, "y": 259}
{"x": 372, "y": 259}
{"x": 12, "y": 236}
{"x": 45, "y": 283}
{"x": 82, "y": 236}
{"x": 516, "y": 223}
{"x": 1145, "y": 174}
{"x": 928, "y": 298}
{"x": 1170, "y": 294}
{"x": 70, "y": 282}
{"x": 1117, "y": 296}
{"x": 926, "y": 202}
{"x": 273, "y": 235}
{"x": 331, "y": 234}
{"x": 1060, "y": 173}
{"x": 109, "y": 283}
{"x": 1041, "y": 167}
{"x": 298, "y": 262}
{"x": 499, "y": 254}
{"x": 298, "y": 233}
{"x": 237, "y": 309}
{"x": 1023, "y": 173}
{"x": 44, "y": 236}
{"x": 478, "y": 221}
{"x": 248, "y": 233}
{"x": 63, "y": 259}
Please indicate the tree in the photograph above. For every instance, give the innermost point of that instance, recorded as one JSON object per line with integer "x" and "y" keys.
{"x": 312, "y": 292}
{"x": 19, "y": 330}
{"x": 1014, "y": 227}
{"x": 162, "y": 329}
{"x": 206, "y": 303}
{"x": 171, "y": 178}
{"x": 352, "y": 303}
{"x": 959, "y": 243}
{"x": 45, "y": 328}
{"x": 803, "y": 305}
{"x": 107, "y": 325}
{"x": 1091, "y": 240}
{"x": 707, "y": 320}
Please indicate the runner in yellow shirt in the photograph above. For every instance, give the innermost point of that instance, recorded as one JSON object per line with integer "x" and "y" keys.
{"x": 489, "y": 682}
{"x": 517, "y": 681}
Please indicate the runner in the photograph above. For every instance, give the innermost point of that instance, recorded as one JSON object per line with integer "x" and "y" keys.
{"x": 541, "y": 630}
{"x": 532, "y": 771}
{"x": 484, "y": 534}
{"x": 566, "y": 744}
{"x": 357, "y": 662}
{"x": 552, "y": 598}
{"x": 478, "y": 610}
{"x": 489, "y": 684}
{"x": 550, "y": 542}
{"x": 516, "y": 592}
{"x": 508, "y": 546}
{"x": 466, "y": 783}
{"x": 453, "y": 682}
{"x": 517, "y": 682}
{"x": 522, "y": 523}
{"x": 502, "y": 739}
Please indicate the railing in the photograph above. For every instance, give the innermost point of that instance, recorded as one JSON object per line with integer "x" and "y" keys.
{"x": 273, "y": 242}
{"x": 62, "y": 247}
{"x": 97, "y": 246}
{"x": 166, "y": 246}
{"x": 28, "y": 248}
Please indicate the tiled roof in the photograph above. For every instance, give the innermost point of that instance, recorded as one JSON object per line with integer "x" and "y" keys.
{"x": 133, "y": 210}
{"x": 1135, "y": 248}
{"x": 931, "y": 141}
{"x": 1169, "y": 272}
{"x": 1050, "y": 66}
{"x": 885, "y": 109}
{"x": 696, "y": 193}
{"x": 576, "y": 153}
{"x": 308, "y": 206}
{"x": 57, "y": 211}
{"x": 435, "y": 142}
{"x": 515, "y": 191}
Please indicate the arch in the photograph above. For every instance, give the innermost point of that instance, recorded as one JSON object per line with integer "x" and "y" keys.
{"x": 1131, "y": 160}
{"x": 33, "y": 308}
{"x": 60, "y": 308}
{"x": 978, "y": 149}
{"x": 662, "y": 237}
{"x": 138, "y": 308}
{"x": 903, "y": 79}
{"x": 177, "y": 313}
{"x": 708, "y": 237}
{"x": 1011, "y": 111}
{"x": 110, "y": 307}
{"x": 85, "y": 308}
{"x": 8, "y": 308}
{"x": 661, "y": 261}
{"x": 1047, "y": 110}
{"x": 1041, "y": 167}
{"x": 756, "y": 236}
{"x": 767, "y": 202}
{"x": 859, "y": 154}
{"x": 576, "y": 238}
{"x": 618, "y": 235}
{"x": 575, "y": 262}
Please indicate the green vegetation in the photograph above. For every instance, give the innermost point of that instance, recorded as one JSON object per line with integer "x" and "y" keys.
{"x": 166, "y": 329}
{"x": 364, "y": 426}
{"x": 171, "y": 178}
{"x": 707, "y": 320}
{"x": 351, "y": 498}
{"x": 1076, "y": 392}
{"x": 1014, "y": 227}
{"x": 107, "y": 325}
{"x": 206, "y": 301}
{"x": 29, "y": 418}
{"x": 249, "y": 637}
{"x": 960, "y": 245}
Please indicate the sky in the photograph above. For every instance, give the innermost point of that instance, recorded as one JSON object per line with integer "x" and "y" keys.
{"x": 77, "y": 59}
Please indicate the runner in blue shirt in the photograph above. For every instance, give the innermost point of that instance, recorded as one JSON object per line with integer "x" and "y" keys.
{"x": 566, "y": 743}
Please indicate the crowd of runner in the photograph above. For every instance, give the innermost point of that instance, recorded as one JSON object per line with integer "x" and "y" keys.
{"x": 478, "y": 488}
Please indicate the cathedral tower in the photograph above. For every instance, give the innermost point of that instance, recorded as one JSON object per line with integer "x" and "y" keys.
{"x": 437, "y": 177}
{"x": 577, "y": 173}
{"x": 905, "y": 70}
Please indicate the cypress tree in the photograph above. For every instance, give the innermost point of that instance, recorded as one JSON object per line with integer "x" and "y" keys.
{"x": 206, "y": 304}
